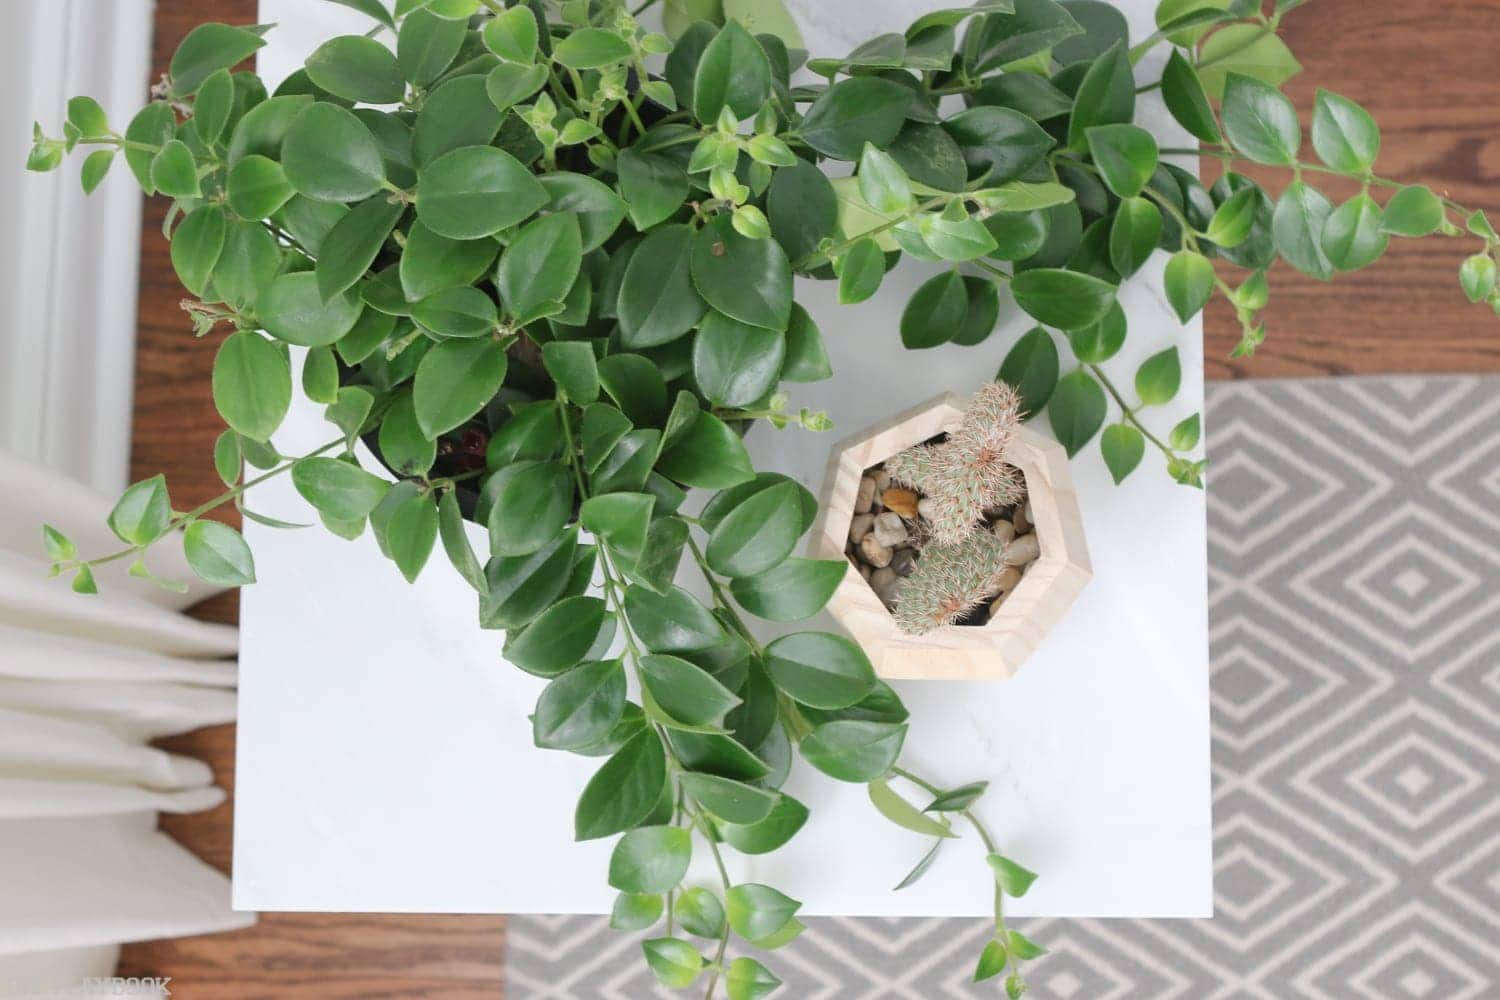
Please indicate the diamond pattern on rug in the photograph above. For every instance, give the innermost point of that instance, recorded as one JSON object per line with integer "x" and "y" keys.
{"x": 1354, "y": 551}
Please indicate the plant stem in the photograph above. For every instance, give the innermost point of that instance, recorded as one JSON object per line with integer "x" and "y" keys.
{"x": 1129, "y": 413}
{"x": 182, "y": 520}
{"x": 826, "y": 255}
{"x": 984, "y": 837}
{"x": 1300, "y": 167}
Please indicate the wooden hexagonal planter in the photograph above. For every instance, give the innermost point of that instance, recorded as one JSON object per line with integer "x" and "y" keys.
{"x": 957, "y": 652}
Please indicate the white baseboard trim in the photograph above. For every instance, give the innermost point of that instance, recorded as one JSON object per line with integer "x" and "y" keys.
{"x": 69, "y": 268}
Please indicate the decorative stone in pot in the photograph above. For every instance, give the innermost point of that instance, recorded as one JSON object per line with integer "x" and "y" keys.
{"x": 996, "y": 646}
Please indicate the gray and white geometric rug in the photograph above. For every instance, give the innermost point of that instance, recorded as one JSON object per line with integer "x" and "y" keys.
{"x": 1354, "y": 551}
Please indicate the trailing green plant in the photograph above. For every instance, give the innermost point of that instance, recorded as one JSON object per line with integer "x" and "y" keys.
{"x": 540, "y": 259}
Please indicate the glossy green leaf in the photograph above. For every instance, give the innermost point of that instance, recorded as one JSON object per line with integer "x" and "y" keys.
{"x": 820, "y": 669}
{"x": 357, "y": 68}
{"x": 1013, "y": 880}
{"x": 671, "y": 622}
{"x": 758, "y": 911}
{"x": 700, "y": 912}
{"x": 427, "y": 45}
{"x": 1077, "y": 410}
{"x": 1261, "y": 122}
{"x": 623, "y": 792}
{"x": 218, "y": 554}
{"x": 758, "y": 535}
{"x": 992, "y": 961}
{"x": 685, "y": 692}
{"x": 1187, "y": 101}
{"x": 1352, "y": 236}
{"x": 339, "y": 489}
{"x": 559, "y": 639}
{"x": 998, "y": 145}
{"x": 591, "y": 48}
{"x": 861, "y": 271}
{"x": 431, "y": 263}
{"x": 1063, "y": 299}
{"x": 795, "y": 590}
{"x": 196, "y": 246}
{"x": 1189, "y": 283}
{"x": 1344, "y": 135}
{"x": 676, "y": 964}
{"x": 330, "y": 155}
{"x": 519, "y": 588}
{"x": 708, "y": 455}
{"x": 655, "y": 186}
{"x": 901, "y": 812}
{"x": 1159, "y": 378}
{"x": 540, "y": 265}
{"x": 1031, "y": 368}
{"x": 746, "y": 279}
{"x": 736, "y": 364}
{"x": 636, "y": 385}
{"x": 1478, "y": 277}
{"x": 1245, "y": 49}
{"x": 658, "y": 301}
{"x": 174, "y": 172}
{"x": 293, "y": 310}
{"x": 958, "y": 799}
{"x": 1126, "y": 156}
{"x": 143, "y": 513}
{"x": 581, "y": 707}
{"x": 1185, "y": 435}
{"x": 454, "y": 382}
{"x": 635, "y": 912}
{"x": 854, "y": 750}
{"x": 410, "y": 534}
{"x": 475, "y": 192}
{"x": 532, "y": 501}
{"x": 257, "y": 187}
{"x": 803, "y": 208}
{"x": 252, "y": 385}
{"x": 1123, "y": 446}
{"x": 513, "y": 35}
{"x": 936, "y": 313}
{"x": 509, "y": 84}
{"x": 651, "y": 859}
{"x": 732, "y": 801}
{"x": 351, "y": 246}
{"x": 1134, "y": 235}
{"x": 1413, "y": 211}
{"x": 1098, "y": 343}
{"x": 733, "y": 73}
{"x": 853, "y": 112}
{"x": 211, "y": 109}
{"x": 883, "y": 183}
{"x": 1106, "y": 95}
{"x": 573, "y": 367}
{"x": 621, "y": 521}
{"x": 781, "y": 824}
{"x": 1301, "y": 217}
{"x": 403, "y": 445}
{"x": 207, "y": 49}
{"x": 596, "y": 207}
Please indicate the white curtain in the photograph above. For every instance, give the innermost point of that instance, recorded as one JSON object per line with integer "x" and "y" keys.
{"x": 85, "y": 684}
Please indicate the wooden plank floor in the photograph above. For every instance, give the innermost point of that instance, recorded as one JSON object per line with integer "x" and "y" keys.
{"x": 1423, "y": 68}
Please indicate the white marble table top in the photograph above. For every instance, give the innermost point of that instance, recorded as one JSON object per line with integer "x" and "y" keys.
{"x": 385, "y": 758}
